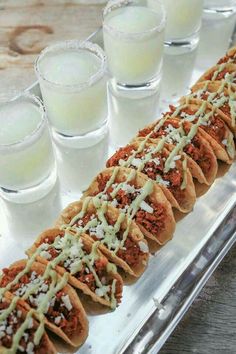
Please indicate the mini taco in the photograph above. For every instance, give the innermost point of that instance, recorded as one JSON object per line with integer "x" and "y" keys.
{"x": 19, "y": 331}
{"x": 225, "y": 71}
{"x": 44, "y": 291}
{"x": 211, "y": 126}
{"x": 174, "y": 179}
{"x": 230, "y": 57}
{"x": 222, "y": 96}
{"x": 130, "y": 192}
{"x": 202, "y": 162}
{"x": 88, "y": 269}
{"x": 120, "y": 240}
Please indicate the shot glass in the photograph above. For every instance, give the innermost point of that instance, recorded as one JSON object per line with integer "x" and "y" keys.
{"x": 133, "y": 34}
{"x": 72, "y": 76}
{"x": 129, "y": 111}
{"x": 28, "y": 170}
{"x": 183, "y": 22}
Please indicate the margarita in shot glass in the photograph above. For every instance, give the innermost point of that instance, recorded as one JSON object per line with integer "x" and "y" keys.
{"x": 26, "y": 156}
{"x": 183, "y": 21}
{"x": 133, "y": 39}
{"x": 72, "y": 77}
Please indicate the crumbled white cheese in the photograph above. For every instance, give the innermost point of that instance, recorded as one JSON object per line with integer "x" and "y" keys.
{"x": 45, "y": 255}
{"x": 177, "y": 157}
{"x": 57, "y": 320}
{"x": 98, "y": 231}
{"x": 169, "y": 128}
{"x": 114, "y": 202}
{"x": 31, "y": 323}
{"x": 66, "y": 301}
{"x": 128, "y": 188}
{"x": 188, "y": 117}
{"x": 160, "y": 180}
{"x": 9, "y": 330}
{"x": 172, "y": 164}
{"x": 146, "y": 207}
{"x": 143, "y": 247}
{"x": 102, "y": 291}
{"x": 30, "y": 348}
{"x": 225, "y": 142}
{"x": 19, "y": 313}
{"x": 44, "y": 288}
{"x": 136, "y": 162}
{"x": 156, "y": 160}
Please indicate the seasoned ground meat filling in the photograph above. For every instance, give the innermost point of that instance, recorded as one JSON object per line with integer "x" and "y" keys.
{"x": 172, "y": 179}
{"x": 69, "y": 320}
{"x": 215, "y": 127}
{"x": 153, "y": 222}
{"x": 220, "y": 76}
{"x": 10, "y": 326}
{"x": 85, "y": 275}
{"x": 130, "y": 254}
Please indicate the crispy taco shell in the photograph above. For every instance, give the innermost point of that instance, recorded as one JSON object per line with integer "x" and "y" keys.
{"x": 225, "y": 71}
{"x": 216, "y": 132}
{"x": 133, "y": 259}
{"x": 203, "y": 90}
{"x": 180, "y": 198}
{"x": 159, "y": 224}
{"x": 230, "y": 56}
{"x": 201, "y": 160}
{"x": 16, "y": 318}
{"x": 73, "y": 326}
{"x": 85, "y": 281}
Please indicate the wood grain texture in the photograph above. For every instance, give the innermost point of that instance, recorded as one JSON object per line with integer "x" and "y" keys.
{"x": 27, "y": 26}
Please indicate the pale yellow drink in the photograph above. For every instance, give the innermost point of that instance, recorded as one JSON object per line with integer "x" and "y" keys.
{"x": 133, "y": 40}
{"x": 26, "y": 155}
{"x": 183, "y": 18}
{"x": 73, "y": 83}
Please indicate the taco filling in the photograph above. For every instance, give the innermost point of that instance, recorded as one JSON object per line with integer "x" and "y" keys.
{"x": 214, "y": 126}
{"x": 194, "y": 149}
{"x": 79, "y": 264}
{"x": 130, "y": 251}
{"x": 150, "y": 215}
{"x": 223, "y": 74}
{"x": 60, "y": 311}
{"x": 153, "y": 168}
{"x": 10, "y": 326}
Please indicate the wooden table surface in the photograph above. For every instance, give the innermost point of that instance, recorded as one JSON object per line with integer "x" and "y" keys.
{"x": 27, "y": 26}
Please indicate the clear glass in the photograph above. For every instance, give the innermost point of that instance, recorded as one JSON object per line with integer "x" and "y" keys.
{"x": 26, "y": 155}
{"x": 129, "y": 111}
{"x": 220, "y": 6}
{"x": 183, "y": 22}
{"x": 133, "y": 34}
{"x": 72, "y": 77}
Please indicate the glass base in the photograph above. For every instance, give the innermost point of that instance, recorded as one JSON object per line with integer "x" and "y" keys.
{"x": 80, "y": 158}
{"x": 223, "y": 11}
{"x": 32, "y": 194}
{"x": 149, "y": 85}
{"x": 186, "y": 44}
{"x": 81, "y": 141}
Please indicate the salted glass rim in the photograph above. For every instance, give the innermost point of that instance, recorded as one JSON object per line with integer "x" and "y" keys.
{"x": 116, "y": 4}
{"x": 14, "y": 96}
{"x": 73, "y": 44}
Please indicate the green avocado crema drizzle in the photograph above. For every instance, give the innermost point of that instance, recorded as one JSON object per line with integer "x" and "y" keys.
{"x": 55, "y": 286}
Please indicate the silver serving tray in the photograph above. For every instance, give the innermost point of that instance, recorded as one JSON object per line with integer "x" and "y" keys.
{"x": 153, "y": 306}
